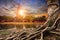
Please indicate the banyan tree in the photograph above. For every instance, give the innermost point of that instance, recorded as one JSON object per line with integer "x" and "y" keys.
{"x": 52, "y": 24}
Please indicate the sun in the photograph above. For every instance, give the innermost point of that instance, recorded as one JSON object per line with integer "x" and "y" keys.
{"x": 22, "y": 12}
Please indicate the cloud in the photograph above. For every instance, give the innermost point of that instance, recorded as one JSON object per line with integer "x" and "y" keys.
{"x": 7, "y": 7}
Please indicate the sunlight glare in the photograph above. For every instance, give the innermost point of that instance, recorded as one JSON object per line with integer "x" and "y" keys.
{"x": 22, "y": 12}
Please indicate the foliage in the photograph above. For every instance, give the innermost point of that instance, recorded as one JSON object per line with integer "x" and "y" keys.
{"x": 40, "y": 19}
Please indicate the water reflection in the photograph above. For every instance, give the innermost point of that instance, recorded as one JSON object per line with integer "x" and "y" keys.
{"x": 18, "y": 26}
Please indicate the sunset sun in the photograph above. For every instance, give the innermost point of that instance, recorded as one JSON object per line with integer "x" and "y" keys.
{"x": 22, "y": 12}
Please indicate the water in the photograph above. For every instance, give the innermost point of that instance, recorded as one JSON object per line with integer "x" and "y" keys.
{"x": 18, "y": 26}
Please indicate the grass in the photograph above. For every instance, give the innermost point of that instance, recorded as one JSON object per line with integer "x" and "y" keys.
{"x": 4, "y": 32}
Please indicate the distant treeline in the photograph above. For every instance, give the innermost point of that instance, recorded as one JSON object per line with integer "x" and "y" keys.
{"x": 26, "y": 19}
